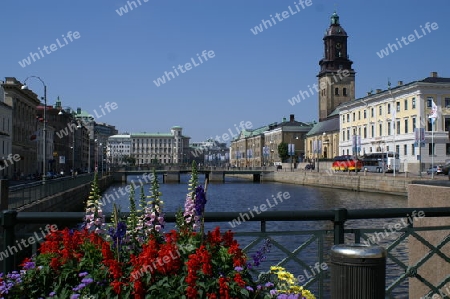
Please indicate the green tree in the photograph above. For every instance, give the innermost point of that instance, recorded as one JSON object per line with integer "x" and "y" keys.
{"x": 283, "y": 151}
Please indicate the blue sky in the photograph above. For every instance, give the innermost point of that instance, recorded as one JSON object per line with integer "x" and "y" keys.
{"x": 250, "y": 78}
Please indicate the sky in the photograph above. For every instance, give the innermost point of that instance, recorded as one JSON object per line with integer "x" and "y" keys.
{"x": 113, "y": 56}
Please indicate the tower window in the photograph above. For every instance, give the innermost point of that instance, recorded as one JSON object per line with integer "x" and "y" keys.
{"x": 344, "y": 92}
{"x": 336, "y": 91}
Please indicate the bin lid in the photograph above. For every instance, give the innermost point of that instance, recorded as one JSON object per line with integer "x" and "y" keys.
{"x": 358, "y": 251}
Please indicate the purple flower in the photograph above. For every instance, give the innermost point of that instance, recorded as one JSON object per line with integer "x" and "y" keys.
{"x": 74, "y": 296}
{"x": 239, "y": 269}
{"x": 82, "y": 274}
{"x": 260, "y": 256}
{"x": 200, "y": 200}
{"x": 52, "y": 294}
{"x": 29, "y": 265}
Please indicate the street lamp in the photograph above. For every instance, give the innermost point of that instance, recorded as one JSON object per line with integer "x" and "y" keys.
{"x": 44, "y": 128}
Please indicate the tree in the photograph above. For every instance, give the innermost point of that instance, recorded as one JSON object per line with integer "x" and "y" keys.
{"x": 283, "y": 151}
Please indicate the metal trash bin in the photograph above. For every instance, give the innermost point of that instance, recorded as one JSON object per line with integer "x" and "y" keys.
{"x": 358, "y": 271}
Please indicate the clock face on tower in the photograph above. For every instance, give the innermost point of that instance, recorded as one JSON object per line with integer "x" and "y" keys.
{"x": 338, "y": 46}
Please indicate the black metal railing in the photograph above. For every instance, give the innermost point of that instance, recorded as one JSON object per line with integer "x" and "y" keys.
{"x": 334, "y": 231}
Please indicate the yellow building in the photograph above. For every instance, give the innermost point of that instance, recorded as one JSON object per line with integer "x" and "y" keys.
{"x": 387, "y": 120}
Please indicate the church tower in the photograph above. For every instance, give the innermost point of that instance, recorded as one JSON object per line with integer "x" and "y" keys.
{"x": 336, "y": 76}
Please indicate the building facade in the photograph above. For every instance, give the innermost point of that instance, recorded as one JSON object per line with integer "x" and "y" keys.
{"x": 118, "y": 149}
{"x": 23, "y": 104}
{"x": 259, "y": 147}
{"x": 149, "y": 148}
{"x": 387, "y": 121}
{"x": 6, "y": 171}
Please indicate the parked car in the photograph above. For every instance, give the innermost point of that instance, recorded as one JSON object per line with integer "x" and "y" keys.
{"x": 435, "y": 169}
{"x": 446, "y": 169}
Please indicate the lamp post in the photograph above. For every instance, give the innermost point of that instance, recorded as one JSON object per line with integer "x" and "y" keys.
{"x": 44, "y": 128}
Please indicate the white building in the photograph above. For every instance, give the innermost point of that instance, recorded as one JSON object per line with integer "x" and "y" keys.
{"x": 148, "y": 148}
{"x": 409, "y": 106}
{"x": 118, "y": 148}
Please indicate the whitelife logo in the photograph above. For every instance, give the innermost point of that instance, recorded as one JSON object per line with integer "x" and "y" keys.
{"x": 48, "y": 50}
{"x": 411, "y": 38}
{"x": 280, "y": 17}
{"x": 187, "y": 67}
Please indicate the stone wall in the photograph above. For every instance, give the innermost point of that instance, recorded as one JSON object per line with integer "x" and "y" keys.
{"x": 435, "y": 269}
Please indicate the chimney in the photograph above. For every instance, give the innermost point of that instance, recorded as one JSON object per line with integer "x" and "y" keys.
{"x": 434, "y": 74}
{"x": 78, "y": 110}
{"x": 284, "y": 119}
{"x": 378, "y": 90}
{"x": 399, "y": 83}
{"x": 291, "y": 118}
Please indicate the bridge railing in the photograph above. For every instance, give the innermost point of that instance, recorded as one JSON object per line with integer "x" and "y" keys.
{"x": 297, "y": 248}
{"x": 21, "y": 195}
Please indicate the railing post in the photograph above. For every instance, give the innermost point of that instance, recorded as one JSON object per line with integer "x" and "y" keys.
{"x": 4, "y": 194}
{"x": 8, "y": 224}
{"x": 340, "y": 216}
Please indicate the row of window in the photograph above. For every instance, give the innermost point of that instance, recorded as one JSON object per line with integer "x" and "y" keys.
{"x": 389, "y": 130}
{"x": 406, "y": 102}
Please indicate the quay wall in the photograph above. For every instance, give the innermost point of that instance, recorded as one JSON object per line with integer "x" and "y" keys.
{"x": 397, "y": 185}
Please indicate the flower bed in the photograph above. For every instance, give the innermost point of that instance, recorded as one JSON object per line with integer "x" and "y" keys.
{"x": 134, "y": 258}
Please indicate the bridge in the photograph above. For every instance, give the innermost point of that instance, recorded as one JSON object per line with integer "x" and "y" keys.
{"x": 172, "y": 174}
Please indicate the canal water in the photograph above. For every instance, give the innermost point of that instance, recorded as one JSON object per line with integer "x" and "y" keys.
{"x": 239, "y": 195}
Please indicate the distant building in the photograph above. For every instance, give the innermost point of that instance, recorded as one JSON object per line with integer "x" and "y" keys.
{"x": 259, "y": 147}
{"x": 150, "y": 148}
{"x": 118, "y": 149}
{"x": 387, "y": 121}
{"x": 209, "y": 152}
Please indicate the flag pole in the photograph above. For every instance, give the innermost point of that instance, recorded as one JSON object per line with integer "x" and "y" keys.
{"x": 432, "y": 147}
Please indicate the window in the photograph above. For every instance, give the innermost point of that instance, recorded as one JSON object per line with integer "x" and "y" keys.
{"x": 359, "y": 115}
{"x": 413, "y": 149}
{"x": 348, "y": 134}
{"x": 373, "y": 131}
{"x": 365, "y": 114}
{"x": 447, "y": 149}
{"x": 371, "y": 112}
{"x": 381, "y": 129}
{"x": 389, "y": 109}
{"x": 447, "y": 102}
{"x": 398, "y": 127}
{"x": 397, "y": 149}
{"x": 405, "y": 149}
{"x": 381, "y": 110}
{"x": 343, "y": 118}
{"x": 365, "y": 132}
{"x": 406, "y": 126}
{"x": 353, "y": 116}
{"x": 429, "y": 126}
{"x": 343, "y": 135}
{"x": 370, "y": 149}
{"x": 430, "y": 149}
{"x": 398, "y": 106}
{"x": 348, "y": 117}
{"x": 414, "y": 123}
{"x": 413, "y": 104}
{"x": 429, "y": 101}
{"x": 336, "y": 91}
{"x": 389, "y": 129}
{"x": 344, "y": 92}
